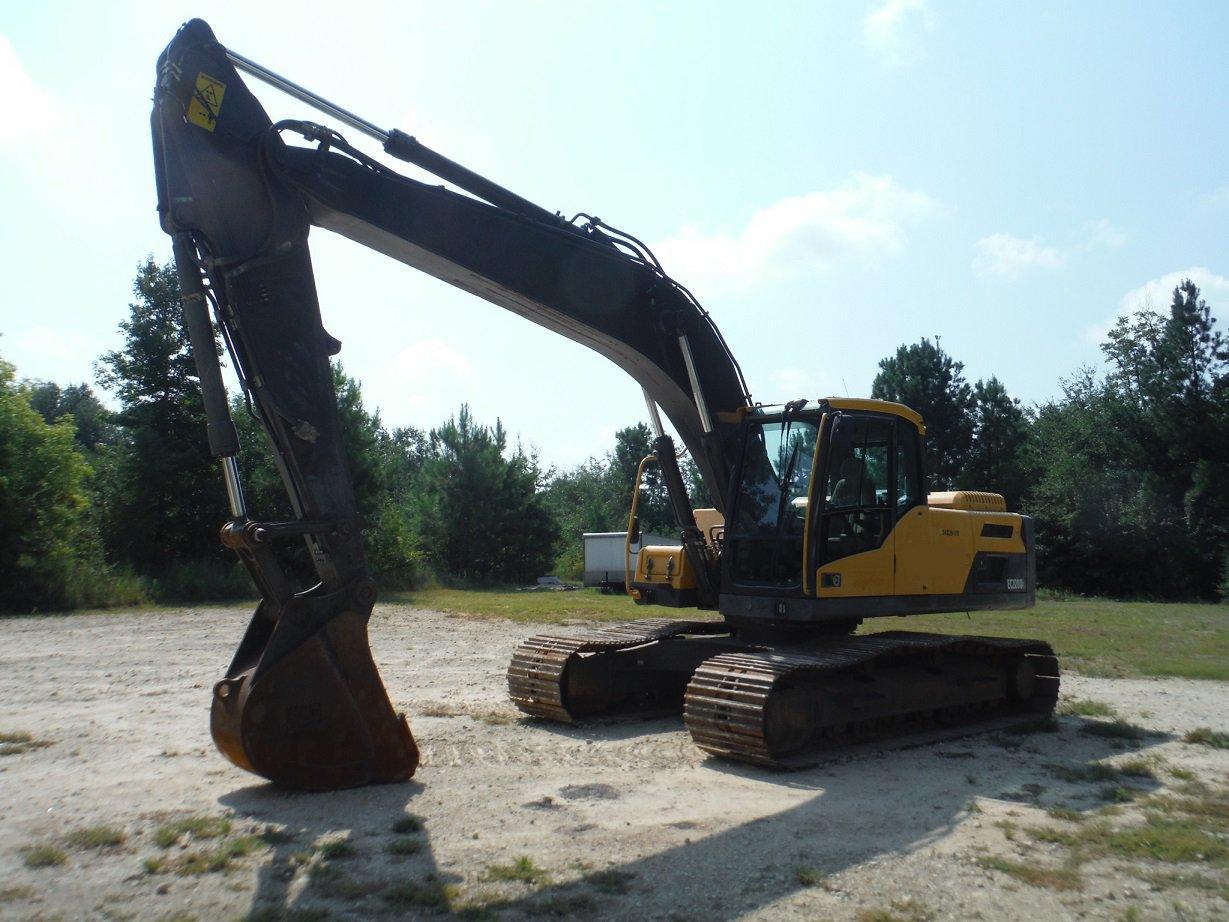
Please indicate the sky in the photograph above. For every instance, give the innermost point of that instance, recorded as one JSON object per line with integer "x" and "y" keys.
{"x": 831, "y": 180}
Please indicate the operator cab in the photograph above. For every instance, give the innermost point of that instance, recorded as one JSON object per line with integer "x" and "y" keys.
{"x": 817, "y": 482}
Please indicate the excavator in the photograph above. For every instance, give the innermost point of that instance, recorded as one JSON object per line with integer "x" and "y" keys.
{"x": 820, "y": 514}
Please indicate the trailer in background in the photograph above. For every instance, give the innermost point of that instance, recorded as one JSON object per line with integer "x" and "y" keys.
{"x": 604, "y": 562}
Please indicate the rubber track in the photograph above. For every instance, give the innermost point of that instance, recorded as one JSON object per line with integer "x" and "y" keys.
{"x": 725, "y": 703}
{"x": 536, "y": 674}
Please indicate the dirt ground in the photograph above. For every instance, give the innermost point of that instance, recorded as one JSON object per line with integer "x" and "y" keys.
{"x": 619, "y": 820}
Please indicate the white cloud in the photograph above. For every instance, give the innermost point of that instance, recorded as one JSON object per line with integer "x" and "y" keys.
{"x": 1217, "y": 198}
{"x": 863, "y": 215}
{"x": 1103, "y": 233}
{"x": 894, "y": 29}
{"x": 29, "y": 110}
{"x": 1008, "y": 256}
{"x": 1157, "y": 294}
{"x": 422, "y": 370}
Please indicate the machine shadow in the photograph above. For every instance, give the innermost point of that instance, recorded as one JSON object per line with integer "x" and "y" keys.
{"x": 857, "y": 808}
{"x": 306, "y": 817}
{"x": 864, "y": 806}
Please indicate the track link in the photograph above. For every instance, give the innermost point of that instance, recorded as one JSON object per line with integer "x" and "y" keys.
{"x": 769, "y": 709}
{"x": 537, "y": 676}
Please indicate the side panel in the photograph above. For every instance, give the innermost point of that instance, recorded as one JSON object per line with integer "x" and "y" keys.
{"x": 934, "y": 551}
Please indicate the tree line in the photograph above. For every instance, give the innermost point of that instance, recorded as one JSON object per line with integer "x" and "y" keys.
{"x": 1126, "y": 472}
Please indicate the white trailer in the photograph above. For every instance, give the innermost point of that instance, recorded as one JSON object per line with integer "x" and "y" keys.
{"x": 604, "y": 563}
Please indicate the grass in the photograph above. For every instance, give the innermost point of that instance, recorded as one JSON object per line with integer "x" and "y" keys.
{"x": 1092, "y": 771}
{"x": 196, "y": 827}
{"x": 404, "y": 845}
{"x": 407, "y": 824}
{"x": 906, "y": 910}
{"x": 522, "y": 869}
{"x": 527, "y": 607}
{"x": 337, "y": 850}
{"x": 810, "y": 877}
{"x": 96, "y": 837}
{"x": 15, "y": 743}
{"x": 1205, "y": 736}
{"x": 331, "y": 883}
{"x": 1113, "y": 729}
{"x": 12, "y": 894}
{"x": 43, "y": 856}
{"x": 611, "y": 882}
{"x": 195, "y": 862}
{"x": 429, "y": 894}
{"x": 1096, "y": 637}
{"x": 1034, "y": 875}
{"x": 1067, "y": 814}
{"x": 1085, "y": 707}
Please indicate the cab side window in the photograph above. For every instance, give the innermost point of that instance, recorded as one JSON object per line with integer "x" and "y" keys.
{"x": 908, "y": 491}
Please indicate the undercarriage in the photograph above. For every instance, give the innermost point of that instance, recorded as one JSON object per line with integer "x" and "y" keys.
{"x": 785, "y": 706}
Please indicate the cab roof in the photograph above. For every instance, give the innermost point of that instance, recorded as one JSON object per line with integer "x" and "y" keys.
{"x": 865, "y": 404}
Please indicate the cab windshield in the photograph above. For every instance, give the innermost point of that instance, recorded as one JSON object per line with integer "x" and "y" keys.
{"x": 770, "y": 506}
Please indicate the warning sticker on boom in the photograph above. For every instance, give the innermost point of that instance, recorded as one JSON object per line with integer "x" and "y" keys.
{"x": 206, "y": 101}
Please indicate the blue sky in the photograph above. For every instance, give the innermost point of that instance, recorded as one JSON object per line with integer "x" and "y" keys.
{"x": 831, "y": 181}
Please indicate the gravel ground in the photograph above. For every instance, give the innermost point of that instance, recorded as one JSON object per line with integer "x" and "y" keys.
{"x": 618, "y": 820}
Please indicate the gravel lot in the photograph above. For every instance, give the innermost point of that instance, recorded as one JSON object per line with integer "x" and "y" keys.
{"x": 618, "y": 820}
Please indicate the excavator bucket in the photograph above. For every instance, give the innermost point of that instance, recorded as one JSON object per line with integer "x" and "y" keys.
{"x": 315, "y": 717}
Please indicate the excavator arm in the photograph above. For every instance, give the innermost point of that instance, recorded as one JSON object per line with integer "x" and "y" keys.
{"x": 302, "y": 703}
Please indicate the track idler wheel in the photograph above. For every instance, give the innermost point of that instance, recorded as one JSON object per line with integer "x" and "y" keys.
{"x": 304, "y": 707}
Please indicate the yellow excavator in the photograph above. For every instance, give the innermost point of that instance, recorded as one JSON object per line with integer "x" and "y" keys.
{"x": 821, "y": 515}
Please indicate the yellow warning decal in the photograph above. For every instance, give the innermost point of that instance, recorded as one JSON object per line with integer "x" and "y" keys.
{"x": 206, "y": 101}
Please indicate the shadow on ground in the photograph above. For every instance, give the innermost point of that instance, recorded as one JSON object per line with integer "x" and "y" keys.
{"x": 874, "y": 804}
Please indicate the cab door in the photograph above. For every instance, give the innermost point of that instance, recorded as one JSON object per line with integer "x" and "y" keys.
{"x": 857, "y": 517}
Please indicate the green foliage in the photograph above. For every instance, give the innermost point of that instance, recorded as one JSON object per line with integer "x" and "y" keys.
{"x": 51, "y": 554}
{"x": 996, "y": 459}
{"x": 163, "y": 495}
{"x": 1131, "y": 487}
{"x": 479, "y": 507}
{"x": 928, "y": 380}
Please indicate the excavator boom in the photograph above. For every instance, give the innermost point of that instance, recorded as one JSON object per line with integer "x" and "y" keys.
{"x": 302, "y": 702}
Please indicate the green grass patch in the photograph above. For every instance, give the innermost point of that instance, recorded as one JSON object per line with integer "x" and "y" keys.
{"x": 1090, "y": 772}
{"x": 1205, "y": 736}
{"x": 1101, "y": 637}
{"x": 1052, "y": 836}
{"x": 404, "y": 845}
{"x": 528, "y": 607}
{"x": 195, "y": 862}
{"x": 43, "y": 856}
{"x": 1113, "y": 729}
{"x": 196, "y": 827}
{"x": 522, "y": 869}
{"x": 1033, "y": 874}
{"x": 906, "y": 910}
{"x": 561, "y": 905}
{"x": 611, "y": 881}
{"x": 1067, "y": 814}
{"x": 15, "y": 743}
{"x": 337, "y": 850}
{"x": 408, "y": 824}
{"x": 810, "y": 877}
{"x": 1091, "y": 636}
{"x": 1169, "y": 840}
{"x": 96, "y": 837}
{"x": 327, "y": 881}
{"x": 13, "y": 894}
{"x": 1086, "y": 707}
{"x": 424, "y": 894}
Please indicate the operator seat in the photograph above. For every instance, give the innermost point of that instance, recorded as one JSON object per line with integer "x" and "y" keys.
{"x": 855, "y": 487}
